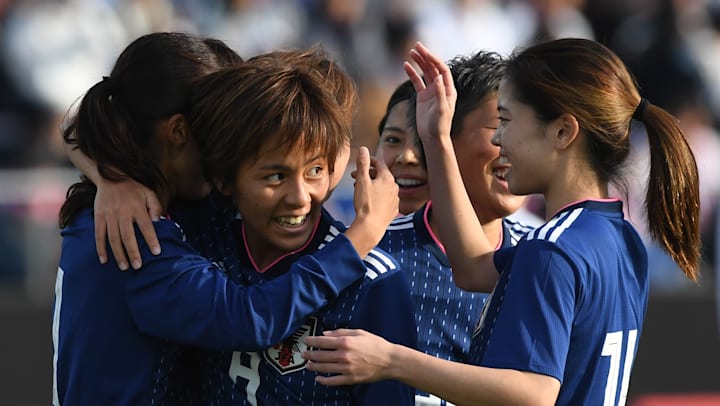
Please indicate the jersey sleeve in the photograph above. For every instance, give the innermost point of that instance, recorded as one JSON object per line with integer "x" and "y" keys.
{"x": 181, "y": 296}
{"x": 531, "y": 328}
{"x": 385, "y": 308}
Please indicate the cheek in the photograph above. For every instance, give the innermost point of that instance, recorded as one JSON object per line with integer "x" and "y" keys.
{"x": 386, "y": 155}
{"x": 319, "y": 189}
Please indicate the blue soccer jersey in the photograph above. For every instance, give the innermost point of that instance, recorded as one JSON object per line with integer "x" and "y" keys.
{"x": 113, "y": 331}
{"x": 380, "y": 303}
{"x": 445, "y": 314}
{"x": 570, "y": 304}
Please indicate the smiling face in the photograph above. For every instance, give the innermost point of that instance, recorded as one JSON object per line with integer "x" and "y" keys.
{"x": 480, "y": 167}
{"x": 399, "y": 148}
{"x": 526, "y": 151}
{"x": 280, "y": 198}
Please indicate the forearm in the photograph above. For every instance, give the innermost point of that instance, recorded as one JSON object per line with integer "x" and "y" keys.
{"x": 183, "y": 297}
{"x": 468, "y": 249}
{"x": 361, "y": 240}
{"x": 464, "y": 384}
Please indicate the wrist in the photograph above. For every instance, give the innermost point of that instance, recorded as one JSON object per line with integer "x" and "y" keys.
{"x": 361, "y": 236}
{"x": 395, "y": 367}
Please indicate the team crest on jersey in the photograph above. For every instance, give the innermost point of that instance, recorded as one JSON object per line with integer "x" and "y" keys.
{"x": 285, "y": 356}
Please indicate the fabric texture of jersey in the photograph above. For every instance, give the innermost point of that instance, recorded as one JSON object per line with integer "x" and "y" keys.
{"x": 379, "y": 303}
{"x": 113, "y": 331}
{"x": 445, "y": 314}
{"x": 570, "y": 304}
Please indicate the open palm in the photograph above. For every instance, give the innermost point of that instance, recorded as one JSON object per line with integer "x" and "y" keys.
{"x": 436, "y": 95}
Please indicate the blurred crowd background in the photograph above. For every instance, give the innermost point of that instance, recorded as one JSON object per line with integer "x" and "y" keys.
{"x": 51, "y": 51}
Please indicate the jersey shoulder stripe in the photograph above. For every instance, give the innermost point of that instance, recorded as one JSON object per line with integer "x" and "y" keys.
{"x": 331, "y": 234}
{"x": 553, "y": 229}
{"x": 402, "y": 223}
{"x": 378, "y": 262}
{"x": 516, "y": 229}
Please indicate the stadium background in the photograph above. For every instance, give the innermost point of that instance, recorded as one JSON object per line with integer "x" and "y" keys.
{"x": 51, "y": 51}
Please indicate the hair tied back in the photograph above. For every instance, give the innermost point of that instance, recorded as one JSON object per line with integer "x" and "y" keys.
{"x": 639, "y": 113}
{"x": 109, "y": 84}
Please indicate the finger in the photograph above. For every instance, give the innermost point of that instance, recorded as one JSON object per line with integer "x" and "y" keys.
{"x": 414, "y": 77}
{"x": 113, "y": 234}
{"x": 438, "y": 65}
{"x": 147, "y": 230}
{"x": 379, "y": 166}
{"x": 129, "y": 241}
{"x": 100, "y": 240}
{"x": 321, "y": 356}
{"x": 439, "y": 90}
{"x": 425, "y": 60}
{"x": 322, "y": 342}
{"x": 154, "y": 207}
{"x": 335, "y": 380}
{"x": 324, "y": 367}
{"x": 339, "y": 332}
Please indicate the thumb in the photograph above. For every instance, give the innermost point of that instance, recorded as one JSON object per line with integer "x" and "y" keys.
{"x": 363, "y": 166}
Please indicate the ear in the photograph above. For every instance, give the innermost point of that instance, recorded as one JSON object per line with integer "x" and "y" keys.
{"x": 178, "y": 131}
{"x": 564, "y": 130}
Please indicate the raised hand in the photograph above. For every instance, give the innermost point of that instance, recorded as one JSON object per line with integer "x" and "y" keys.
{"x": 118, "y": 207}
{"x": 375, "y": 200}
{"x": 436, "y": 95}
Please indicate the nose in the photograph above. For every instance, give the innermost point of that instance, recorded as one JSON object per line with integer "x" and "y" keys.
{"x": 495, "y": 140}
{"x": 297, "y": 194}
{"x": 408, "y": 155}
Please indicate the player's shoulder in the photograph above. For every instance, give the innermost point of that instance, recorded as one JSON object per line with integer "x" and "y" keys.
{"x": 334, "y": 229}
{"x": 516, "y": 228}
{"x": 402, "y": 223}
{"x": 379, "y": 265}
{"x": 165, "y": 227}
{"x": 566, "y": 228}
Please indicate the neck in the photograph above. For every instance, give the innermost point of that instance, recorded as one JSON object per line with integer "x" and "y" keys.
{"x": 554, "y": 202}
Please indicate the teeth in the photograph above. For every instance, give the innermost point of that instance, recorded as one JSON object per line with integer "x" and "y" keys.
{"x": 408, "y": 182}
{"x": 500, "y": 173}
{"x": 293, "y": 221}
{"x": 503, "y": 160}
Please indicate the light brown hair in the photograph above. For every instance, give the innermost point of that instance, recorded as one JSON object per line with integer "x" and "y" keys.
{"x": 589, "y": 81}
{"x": 285, "y": 100}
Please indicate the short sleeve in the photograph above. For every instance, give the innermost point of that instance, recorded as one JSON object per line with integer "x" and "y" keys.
{"x": 531, "y": 323}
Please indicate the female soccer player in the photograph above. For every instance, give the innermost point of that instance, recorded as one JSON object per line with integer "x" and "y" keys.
{"x": 445, "y": 314}
{"x": 117, "y": 335}
{"x": 269, "y": 132}
{"x": 564, "y": 320}
{"x": 400, "y": 149}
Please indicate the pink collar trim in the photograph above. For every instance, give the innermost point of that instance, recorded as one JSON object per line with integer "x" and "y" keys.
{"x": 281, "y": 257}
{"x": 608, "y": 200}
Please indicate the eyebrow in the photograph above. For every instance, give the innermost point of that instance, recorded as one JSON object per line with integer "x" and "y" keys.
{"x": 393, "y": 128}
{"x": 277, "y": 167}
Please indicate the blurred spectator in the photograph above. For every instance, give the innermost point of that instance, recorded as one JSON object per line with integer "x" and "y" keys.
{"x": 461, "y": 27}
{"x": 256, "y": 26}
{"x": 52, "y": 51}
